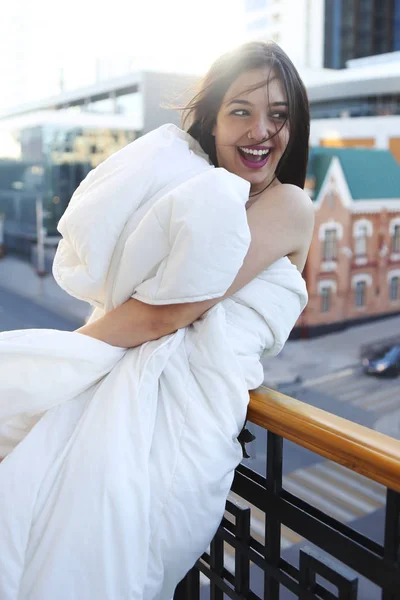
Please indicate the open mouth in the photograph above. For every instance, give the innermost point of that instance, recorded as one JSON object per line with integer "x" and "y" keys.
{"x": 254, "y": 158}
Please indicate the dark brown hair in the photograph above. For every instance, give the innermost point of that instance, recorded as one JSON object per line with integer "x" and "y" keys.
{"x": 201, "y": 112}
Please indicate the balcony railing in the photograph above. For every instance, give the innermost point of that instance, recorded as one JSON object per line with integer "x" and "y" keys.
{"x": 334, "y": 560}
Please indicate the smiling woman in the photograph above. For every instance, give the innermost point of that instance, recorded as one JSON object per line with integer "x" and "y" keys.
{"x": 251, "y": 116}
{"x": 252, "y": 131}
{"x": 119, "y": 485}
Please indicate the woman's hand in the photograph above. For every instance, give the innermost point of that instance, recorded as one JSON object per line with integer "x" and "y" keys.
{"x": 281, "y": 223}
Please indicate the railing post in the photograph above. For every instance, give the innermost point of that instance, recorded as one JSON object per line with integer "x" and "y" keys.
{"x": 272, "y": 521}
{"x": 217, "y": 565}
{"x": 242, "y": 562}
{"x": 392, "y": 539}
{"x": 189, "y": 587}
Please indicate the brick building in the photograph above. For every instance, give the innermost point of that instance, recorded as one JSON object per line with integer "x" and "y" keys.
{"x": 353, "y": 268}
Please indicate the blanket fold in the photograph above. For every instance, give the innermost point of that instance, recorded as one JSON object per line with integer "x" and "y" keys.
{"x": 118, "y": 462}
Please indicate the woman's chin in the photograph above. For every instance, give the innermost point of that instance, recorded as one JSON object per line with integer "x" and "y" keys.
{"x": 257, "y": 181}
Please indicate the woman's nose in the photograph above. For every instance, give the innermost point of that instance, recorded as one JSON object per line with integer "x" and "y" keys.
{"x": 259, "y": 130}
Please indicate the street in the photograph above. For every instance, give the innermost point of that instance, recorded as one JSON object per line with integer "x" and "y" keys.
{"x": 17, "y": 312}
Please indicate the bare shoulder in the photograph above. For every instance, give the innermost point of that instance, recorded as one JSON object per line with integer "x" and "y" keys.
{"x": 291, "y": 198}
{"x": 291, "y": 212}
{"x": 291, "y": 203}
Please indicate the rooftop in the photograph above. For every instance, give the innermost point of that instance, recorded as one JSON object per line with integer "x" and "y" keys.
{"x": 370, "y": 174}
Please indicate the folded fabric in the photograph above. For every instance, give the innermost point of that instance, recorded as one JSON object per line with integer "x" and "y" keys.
{"x": 118, "y": 462}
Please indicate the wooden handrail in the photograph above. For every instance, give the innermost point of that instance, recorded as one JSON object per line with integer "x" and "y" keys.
{"x": 354, "y": 446}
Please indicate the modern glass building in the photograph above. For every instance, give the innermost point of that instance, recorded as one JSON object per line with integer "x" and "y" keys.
{"x": 358, "y": 28}
{"x": 47, "y": 147}
{"x": 46, "y": 157}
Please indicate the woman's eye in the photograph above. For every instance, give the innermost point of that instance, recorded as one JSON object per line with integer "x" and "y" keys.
{"x": 240, "y": 112}
{"x": 279, "y": 116}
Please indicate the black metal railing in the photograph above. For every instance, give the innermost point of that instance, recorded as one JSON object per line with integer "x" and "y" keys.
{"x": 333, "y": 562}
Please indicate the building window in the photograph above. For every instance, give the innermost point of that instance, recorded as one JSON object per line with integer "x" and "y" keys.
{"x": 359, "y": 298}
{"x": 329, "y": 251}
{"x": 361, "y": 241}
{"x": 258, "y": 24}
{"x": 396, "y": 239}
{"x": 395, "y": 288}
{"x": 251, "y": 5}
{"x": 326, "y": 299}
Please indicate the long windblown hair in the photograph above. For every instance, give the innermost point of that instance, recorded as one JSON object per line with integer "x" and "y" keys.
{"x": 200, "y": 114}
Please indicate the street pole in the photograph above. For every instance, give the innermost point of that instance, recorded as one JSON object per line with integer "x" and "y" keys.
{"x": 2, "y": 250}
{"x": 40, "y": 236}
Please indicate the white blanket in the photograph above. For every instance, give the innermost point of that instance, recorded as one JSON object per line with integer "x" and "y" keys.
{"x": 118, "y": 462}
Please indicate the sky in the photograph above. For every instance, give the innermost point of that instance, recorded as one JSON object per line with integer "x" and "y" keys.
{"x": 45, "y": 44}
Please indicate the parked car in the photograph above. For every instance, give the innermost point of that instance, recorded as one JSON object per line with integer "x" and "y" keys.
{"x": 385, "y": 363}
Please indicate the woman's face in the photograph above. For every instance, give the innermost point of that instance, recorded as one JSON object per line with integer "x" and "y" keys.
{"x": 251, "y": 131}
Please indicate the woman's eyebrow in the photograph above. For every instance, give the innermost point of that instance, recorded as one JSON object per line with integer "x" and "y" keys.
{"x": 247, "y": 103}
{"x": 239, "y": 101}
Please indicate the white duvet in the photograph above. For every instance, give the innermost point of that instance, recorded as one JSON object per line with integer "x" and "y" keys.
{"x": 118, "y": 462}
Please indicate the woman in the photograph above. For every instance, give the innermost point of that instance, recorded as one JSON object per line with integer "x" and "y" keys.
{"x": 115, "y": 481}
{"x": 252, "y": 100}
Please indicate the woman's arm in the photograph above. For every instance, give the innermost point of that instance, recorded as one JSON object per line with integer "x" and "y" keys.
{"x": 281, "y": 224}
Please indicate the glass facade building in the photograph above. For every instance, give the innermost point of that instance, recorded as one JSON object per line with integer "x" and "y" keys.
{"x": 48, "y": 161}
{"x": 359, "y": 28}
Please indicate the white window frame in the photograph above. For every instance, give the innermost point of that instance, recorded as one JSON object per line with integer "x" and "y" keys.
{"x": 394, "y": 287}
{"x": 395, "y": 238}
{"x": 364, "y": 278}
{"x": 330, "y": 246}
{"x": 394, "y": 274}
{"x": 330, "y": 285}
{"x": 362, "y": 230}
{"x": 363, "y": 285}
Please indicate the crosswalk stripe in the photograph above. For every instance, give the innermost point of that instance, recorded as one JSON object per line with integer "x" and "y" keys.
{"x": 315, "y": 498}
{"x": 385, "y": 404}
{"x": 336, "y": 387}
{"x": 349, "y": 395}
{"x": 352, "y": 501}
{"x": 389, "y": 406}
{"x": 368, "y": 399}
{"x": 369, "y": 395}
{"x": 375, "y": 491}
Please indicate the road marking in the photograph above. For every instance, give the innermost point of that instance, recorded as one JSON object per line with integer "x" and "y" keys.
{"x": 374, "y": 396}
{"x": 367, "y": 400}
{"x": 329, "y": 377}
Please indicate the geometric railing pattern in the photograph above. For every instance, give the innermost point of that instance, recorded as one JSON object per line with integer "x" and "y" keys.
{"x": 334, "y": 561}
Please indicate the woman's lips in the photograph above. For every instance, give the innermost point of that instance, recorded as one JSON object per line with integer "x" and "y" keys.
{"x": 254, "y": 165}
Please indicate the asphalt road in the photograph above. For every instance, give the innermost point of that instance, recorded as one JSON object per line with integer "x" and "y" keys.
{"x": 20, "y": 313}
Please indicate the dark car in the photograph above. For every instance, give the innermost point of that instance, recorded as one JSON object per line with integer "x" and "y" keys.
{"x": 387, "y": 363}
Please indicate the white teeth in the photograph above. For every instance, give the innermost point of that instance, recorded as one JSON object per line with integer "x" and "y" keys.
{"x": 255, "y": 152}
